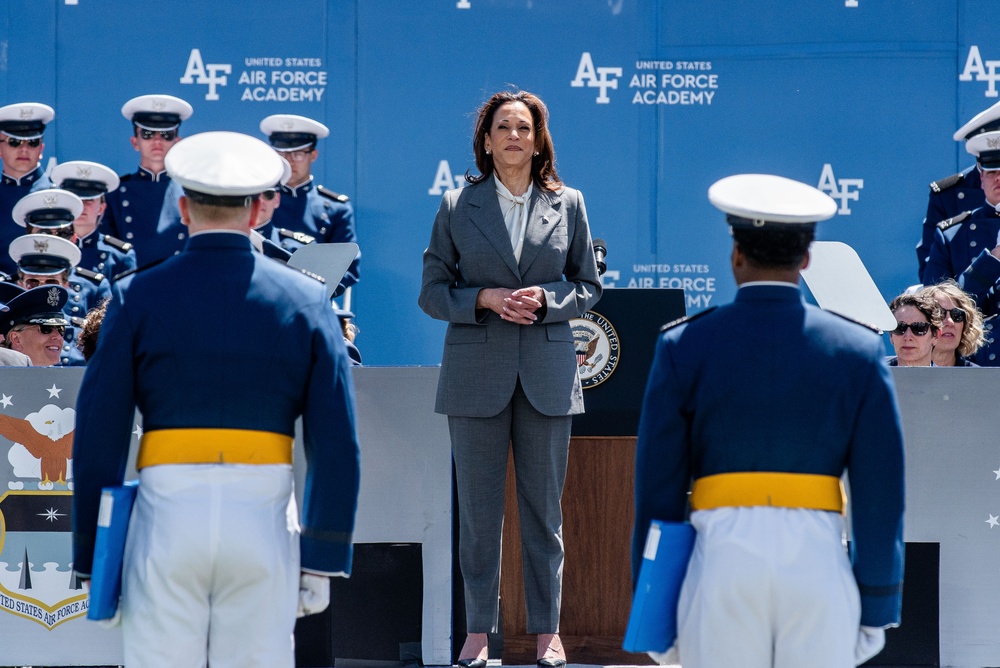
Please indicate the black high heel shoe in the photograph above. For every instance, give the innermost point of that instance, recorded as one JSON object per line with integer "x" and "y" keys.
{"x": 551, "y": 663}
{"x": 472, "y": 663}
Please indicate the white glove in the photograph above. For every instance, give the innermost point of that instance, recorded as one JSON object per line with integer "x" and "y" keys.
{"x": 668, "y": 658}
{"x": 314, "y": 594}
{"x": 115, "y": 621}
{"x": 871, "y": 640}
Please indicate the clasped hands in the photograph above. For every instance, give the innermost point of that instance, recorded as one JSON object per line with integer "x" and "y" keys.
{"x": 516, "y": 306}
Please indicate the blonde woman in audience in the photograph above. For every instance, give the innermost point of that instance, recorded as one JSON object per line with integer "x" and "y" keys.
{"x": 918, "y": 324}
{"x": 962, "y": 333}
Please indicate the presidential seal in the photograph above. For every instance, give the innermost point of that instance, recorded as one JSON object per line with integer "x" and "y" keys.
{"x": 596, "y": 343}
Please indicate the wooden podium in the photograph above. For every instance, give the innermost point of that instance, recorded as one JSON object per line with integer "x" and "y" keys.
{"x": 598, "y": 506}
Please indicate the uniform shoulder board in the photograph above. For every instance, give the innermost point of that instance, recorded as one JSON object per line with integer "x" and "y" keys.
{"x": 301, "y": 237}
{"x": 944, "y": 184}
{"x": 123, "y": 246}
{"x": 687, "y": 318}
{"x": 87, "y": 273}
{"x": 312, "y": 275}
{"x": 335, "y": 196}
{"x": 139, "y": 269}
{"x": 954, "y": 220}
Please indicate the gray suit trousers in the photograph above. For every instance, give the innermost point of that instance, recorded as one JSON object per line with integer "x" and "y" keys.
{"x": 540, "y": 446}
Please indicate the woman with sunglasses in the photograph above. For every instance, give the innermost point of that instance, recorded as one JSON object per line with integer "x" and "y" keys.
{"x": 962, "y": 332}
{"x": 918, "y": 324}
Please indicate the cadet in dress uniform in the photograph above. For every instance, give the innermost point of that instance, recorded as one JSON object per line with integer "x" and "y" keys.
{"x": 212, "y": 565}
{"x": 46, "y": 212}
{"x": 765, "y": 403}
{"x": 959, "y": 193}
{"x": 47, "y": 260}
{"x": 32, "y": 324}
{"x": 308, "y": 212}
{"x": 91, "y": 182}
{"x": 261, "y": 237}
{"x": 21, "y": 128}
{"x": 966, "y": 247}
{"x": 142, "y": 211}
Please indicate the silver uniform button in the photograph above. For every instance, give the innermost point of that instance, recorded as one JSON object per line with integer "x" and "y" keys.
{"x": 177, "y": 252}
{"x": 123, "y": 189}
{"x": 128, "y": 219}
{"x": 100, "y": 265}
{"x": 961, "y": 195}
{"x": 124, "y": 202}
{"x": 104, "y": 256}
{"x": 128, "y": 235}
{"x": 180, "y": 235}
{"x": 972, "y": 227}
{"x": 993, "y": 356}
{"x": 972, "y": 243}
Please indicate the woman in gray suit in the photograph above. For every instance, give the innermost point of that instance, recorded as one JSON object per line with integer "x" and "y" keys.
{"x": 510, "y": 261}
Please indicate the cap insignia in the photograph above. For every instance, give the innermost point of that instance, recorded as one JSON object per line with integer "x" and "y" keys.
{"x": 83, "y": 172}
{"x": 287, "y": 125}
{"x": 993, "y": 142}
{"x": 27, "y": 112}
{"x": 53, "y": 297}
{"x": 50, "y": 201}
{"x": 159, "y": 105}
{"x": 41, "y": 246}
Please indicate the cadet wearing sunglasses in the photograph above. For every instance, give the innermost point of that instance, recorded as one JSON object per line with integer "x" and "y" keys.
{"x": 918, "y": 324}
{"x": 308, "y": 211}
{"x": 962, "y": 333}
{"x": 135, "y": 208}
{"x": 35, "y": 324}
{"x": 21, "y": 144}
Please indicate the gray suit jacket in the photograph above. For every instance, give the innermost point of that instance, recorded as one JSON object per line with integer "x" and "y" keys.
{"x": 484, "y": 355}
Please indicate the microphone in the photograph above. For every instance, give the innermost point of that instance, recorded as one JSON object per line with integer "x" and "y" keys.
{"x": 600, "y": 252}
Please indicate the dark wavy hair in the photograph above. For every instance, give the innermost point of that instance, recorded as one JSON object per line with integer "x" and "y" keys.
{"x": 774, "y": 247}
{"x": 923, "y": 302}
{"x": 543, "y": 165}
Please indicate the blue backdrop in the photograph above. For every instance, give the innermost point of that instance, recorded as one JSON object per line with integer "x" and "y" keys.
{"x": 651, "y": 102}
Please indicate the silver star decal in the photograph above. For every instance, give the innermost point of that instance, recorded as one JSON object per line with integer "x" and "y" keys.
{"x": 51, "y": 515}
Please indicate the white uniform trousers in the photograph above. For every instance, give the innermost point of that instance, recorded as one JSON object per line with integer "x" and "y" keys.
{"x": 768, "y": 587}
{"x": 211, "y": 568}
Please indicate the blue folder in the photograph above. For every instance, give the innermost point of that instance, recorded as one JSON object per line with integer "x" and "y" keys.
{"x": 109, "y": 549}
{"x": 652, "y": 625}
